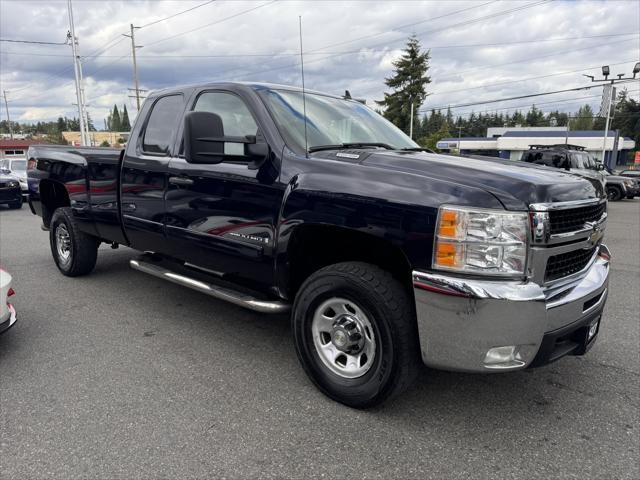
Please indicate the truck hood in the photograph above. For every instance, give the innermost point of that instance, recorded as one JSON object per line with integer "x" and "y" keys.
{"x": 516, "y": 184}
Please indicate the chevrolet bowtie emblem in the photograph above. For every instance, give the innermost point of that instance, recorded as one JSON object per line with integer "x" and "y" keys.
{"x": 596, "y": 233}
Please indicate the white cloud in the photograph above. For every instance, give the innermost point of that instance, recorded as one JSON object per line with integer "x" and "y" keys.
{"x": 41, "y": 87}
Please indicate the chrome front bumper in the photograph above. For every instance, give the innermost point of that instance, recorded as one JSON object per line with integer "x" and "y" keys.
{"x": 460, "y": 319}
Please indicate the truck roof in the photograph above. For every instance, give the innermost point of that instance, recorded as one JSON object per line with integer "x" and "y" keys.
{"x": 250, "y": 85}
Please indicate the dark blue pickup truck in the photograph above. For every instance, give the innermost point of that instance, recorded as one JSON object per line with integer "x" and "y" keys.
{"x": 386, "y": 255}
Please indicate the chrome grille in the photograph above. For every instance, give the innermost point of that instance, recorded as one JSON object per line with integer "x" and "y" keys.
{"x": 573, "y": 219}
{"x": 565, "y": 264}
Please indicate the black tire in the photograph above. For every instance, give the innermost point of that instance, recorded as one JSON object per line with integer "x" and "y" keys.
{"x": 17, "y": 204}
{"x": 614, "y": 194}
{"x": 391, "y": 314}
{"x": 82, "y": 248}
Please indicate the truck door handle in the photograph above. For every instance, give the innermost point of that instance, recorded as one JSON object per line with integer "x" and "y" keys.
{"x": 183, "y": 181}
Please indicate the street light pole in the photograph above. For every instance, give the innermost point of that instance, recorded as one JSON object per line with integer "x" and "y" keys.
{"x": 606, "y": 71}
{"x": 606, "y": 125}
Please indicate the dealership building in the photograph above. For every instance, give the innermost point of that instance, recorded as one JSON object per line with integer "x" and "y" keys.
{"x": 511, "y": 142}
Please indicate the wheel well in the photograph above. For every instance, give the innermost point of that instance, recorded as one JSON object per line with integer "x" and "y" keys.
{"x": 52, "y": 195}
{"x": 315, "y": 246}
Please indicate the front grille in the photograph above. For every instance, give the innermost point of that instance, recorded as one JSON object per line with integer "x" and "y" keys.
{"x": 2, "y": 184}
{"x": 565, "y": 264}
{"x": 573, "y": 219}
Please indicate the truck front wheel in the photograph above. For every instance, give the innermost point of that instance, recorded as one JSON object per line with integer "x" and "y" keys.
{"x": 74, "y": 251}
{"x": 355, "y": 333}
{"x": 614, "y": 193}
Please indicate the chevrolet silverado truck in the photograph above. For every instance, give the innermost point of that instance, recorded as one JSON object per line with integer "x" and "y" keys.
{"x": 386, "y": 256}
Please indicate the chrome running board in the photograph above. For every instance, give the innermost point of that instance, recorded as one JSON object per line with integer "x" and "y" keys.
{"x": 216, "y": 291}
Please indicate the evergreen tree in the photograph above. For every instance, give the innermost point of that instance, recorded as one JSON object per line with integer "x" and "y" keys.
{"x": 583, "y": 120}
{"x": 125, "y": 125}
{"x": 431, "y": 141}
{"x": 61, "y": 124}
{"x": 535, "y": 117}
{"x": 116, "y": 124}
{"x": 408, "y": 84}
{"x": 90, "y": 126}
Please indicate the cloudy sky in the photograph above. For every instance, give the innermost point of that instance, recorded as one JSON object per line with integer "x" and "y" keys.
{"x": 480, "y": 50}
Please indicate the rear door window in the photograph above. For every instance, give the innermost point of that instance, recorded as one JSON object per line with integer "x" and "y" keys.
{"x": 162, "y": 125}
{"x": 550, "y": 159}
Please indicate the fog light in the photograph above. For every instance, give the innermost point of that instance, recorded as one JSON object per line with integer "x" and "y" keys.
{"x": 500, "y": 355}
{"x": 509, "y": 356}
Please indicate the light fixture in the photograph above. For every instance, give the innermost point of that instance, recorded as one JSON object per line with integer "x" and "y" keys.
{"x": 605, "y": 70}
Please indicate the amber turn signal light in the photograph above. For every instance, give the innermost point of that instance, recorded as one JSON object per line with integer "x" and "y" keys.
{"x": 448, "y": 224}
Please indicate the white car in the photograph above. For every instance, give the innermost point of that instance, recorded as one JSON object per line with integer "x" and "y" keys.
{"x": 7, "y": 312}
{"x": 18, "y": 168}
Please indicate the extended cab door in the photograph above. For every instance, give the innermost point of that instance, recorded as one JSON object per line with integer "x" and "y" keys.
{"x": 144, "y": 172}
{"x": 222, "y": 216}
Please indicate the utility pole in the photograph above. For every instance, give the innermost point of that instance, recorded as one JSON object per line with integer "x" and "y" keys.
{"x": 459, "y": 138}
{"x": 6, "y": 106}
{"x": 609, "y": 94}
{"x": 77, "y": 66}
{"x": 135, "y": 65}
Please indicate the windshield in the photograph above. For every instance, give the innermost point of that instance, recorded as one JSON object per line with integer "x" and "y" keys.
{"x": 19, "y": 165}
{"x": 330, "y": 121}
{"x": 582, "y": 160}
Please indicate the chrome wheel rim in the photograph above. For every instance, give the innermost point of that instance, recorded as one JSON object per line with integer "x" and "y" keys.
{"x": 343, "y": 337}
{"x": 63, "y": 243}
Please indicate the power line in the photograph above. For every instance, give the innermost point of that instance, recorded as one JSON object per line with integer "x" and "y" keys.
{"x": 293, "y": 54}
{"x": 447, "y": 27}
{"x": 465, "y": 22}
{"x": 400, "y": 27}
{"x": 506, "y": 99}
{"x": 565, "y": 101}
{"x": 212, "y": 23}
{"x": 529, "y": 59}
{"x": 176, "y": 14}
{"x": 32, "y": 42}
{"x": 525, "y": 79}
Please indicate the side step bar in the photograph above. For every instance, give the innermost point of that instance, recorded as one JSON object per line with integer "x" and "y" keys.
{"x": 222, "y": 293}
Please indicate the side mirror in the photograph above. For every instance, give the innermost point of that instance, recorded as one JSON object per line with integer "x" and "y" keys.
{"x": 6, "y": 171}
{"x": 203, "y": 137}
{"x": 258, "y": 150}
{"x": 599, "y": 166}
{"x": 205, "y": 141}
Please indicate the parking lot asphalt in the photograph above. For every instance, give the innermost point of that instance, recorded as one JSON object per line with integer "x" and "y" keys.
{"x": 121, "y": 375}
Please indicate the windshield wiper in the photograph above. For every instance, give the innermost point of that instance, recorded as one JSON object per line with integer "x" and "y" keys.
{"x": 342, "y": 146}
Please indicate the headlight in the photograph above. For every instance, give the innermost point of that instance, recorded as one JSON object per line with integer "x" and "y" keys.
{"x": 481, "y": 241}
{"x": 629, "y": 183}
{"x": 12, "y": 184}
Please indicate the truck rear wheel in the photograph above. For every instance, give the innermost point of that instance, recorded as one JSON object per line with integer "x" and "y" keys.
{"x": 355, "y": 333}
{"x": 74, "y": 251}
